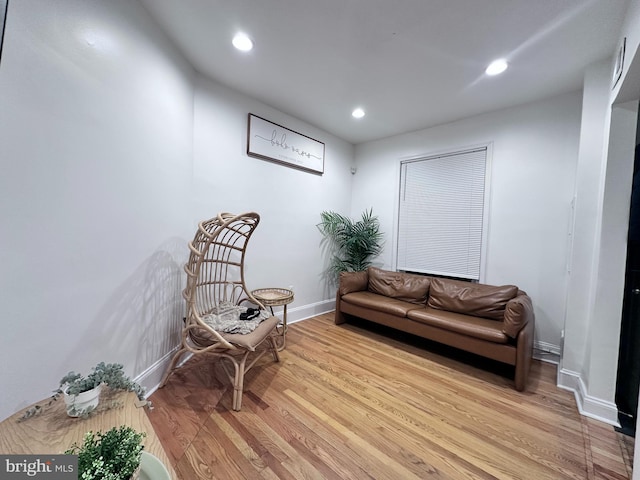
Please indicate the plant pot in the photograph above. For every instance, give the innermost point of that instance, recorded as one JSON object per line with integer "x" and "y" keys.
{"x": 82, "y": 403}
{"x": 151, "y": 468}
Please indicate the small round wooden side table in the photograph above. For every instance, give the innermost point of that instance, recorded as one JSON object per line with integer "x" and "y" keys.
{"x": 274, "y": 297}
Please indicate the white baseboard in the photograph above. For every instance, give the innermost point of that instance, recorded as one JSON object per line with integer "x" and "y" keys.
{"x": 588, "y": 406}
{"x": 306, "y": 311}
{"x": 568, "y": 380}
{"x": 150, "y": 379}
{"x": 546, "y": 352}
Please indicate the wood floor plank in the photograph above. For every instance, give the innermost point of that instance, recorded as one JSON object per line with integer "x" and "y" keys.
{"x": 358, "y": 402}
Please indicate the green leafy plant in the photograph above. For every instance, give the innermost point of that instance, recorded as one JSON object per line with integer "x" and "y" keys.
{"x": 353, "y": 244}
{"x": 111, "y": 374}
{"x": 112, "y": 455}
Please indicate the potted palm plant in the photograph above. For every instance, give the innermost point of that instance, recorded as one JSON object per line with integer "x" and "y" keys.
{"x": 353, "y": 244}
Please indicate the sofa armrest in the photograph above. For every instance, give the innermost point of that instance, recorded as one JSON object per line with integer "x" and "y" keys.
{"x": 517, "y": 314}
{"x": 338, "y": 316}
{"x": 524, "y": 354}
{"x": 353, "y": 282}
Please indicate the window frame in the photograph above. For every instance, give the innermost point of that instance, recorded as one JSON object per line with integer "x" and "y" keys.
{"x": 486, "y": 207}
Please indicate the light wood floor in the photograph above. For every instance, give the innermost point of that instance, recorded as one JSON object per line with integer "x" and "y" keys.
{"x": 357, "y": 402}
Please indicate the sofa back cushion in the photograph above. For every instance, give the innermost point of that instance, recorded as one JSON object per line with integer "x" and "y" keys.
{"x": 352, "y": 282}
{"x": 475, "y": 299}
{"x": 401, "y": 286}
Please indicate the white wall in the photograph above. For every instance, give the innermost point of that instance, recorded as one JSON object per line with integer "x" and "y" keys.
{"x": 607, "y": 312}
{"x": 603, "y": 189}
{"x": 590, "y": 357}
{"x": 107, "y": 166}
{"x": 285, "y": 248}
{"x": 589, "y": 188}
{"x": 96, "y": 119}
{"x": 535, "y": 150}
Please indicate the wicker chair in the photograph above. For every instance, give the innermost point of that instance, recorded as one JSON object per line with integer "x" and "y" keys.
{"x": 215, "y": 275}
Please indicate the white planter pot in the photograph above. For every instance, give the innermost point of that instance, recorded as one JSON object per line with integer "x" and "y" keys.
{"x": 83, "y": 403}
{"x": 151, "y": 468}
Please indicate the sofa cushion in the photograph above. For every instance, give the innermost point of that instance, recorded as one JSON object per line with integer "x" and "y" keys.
{"x": 468, "y": 298}
{"x": 477, "y": 327}
{"x": 353, "y": 282}
{"x": 401, "y": 286}
{"x": 378, "y": 302}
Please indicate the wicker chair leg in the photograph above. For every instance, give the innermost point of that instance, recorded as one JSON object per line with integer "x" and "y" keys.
{"x": 238, "y": 382}
{"x": 172, "y": 365}
{"x": 274, "y": 348}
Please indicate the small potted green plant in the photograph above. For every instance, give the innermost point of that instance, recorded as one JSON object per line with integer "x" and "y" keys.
{"x": 82, "y": 393}
{"x": 111, "y": 455}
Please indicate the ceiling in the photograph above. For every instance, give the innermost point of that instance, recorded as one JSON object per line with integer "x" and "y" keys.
{"x": 410, "y": 64}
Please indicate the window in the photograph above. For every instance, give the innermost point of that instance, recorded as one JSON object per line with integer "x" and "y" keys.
{"x": 441, "y": 214}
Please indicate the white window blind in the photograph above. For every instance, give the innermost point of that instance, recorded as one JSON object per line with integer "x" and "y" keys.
{"x": 441, "y": 214}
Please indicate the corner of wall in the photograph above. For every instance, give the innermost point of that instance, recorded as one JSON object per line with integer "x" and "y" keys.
{"x": 588, "y": 406}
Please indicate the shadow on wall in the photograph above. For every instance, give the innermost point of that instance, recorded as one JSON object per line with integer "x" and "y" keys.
{"x": 328, "y": 279}
{"x": 142, "y": 320}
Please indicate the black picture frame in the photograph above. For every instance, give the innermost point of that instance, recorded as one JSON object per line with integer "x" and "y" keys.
{"x": 4, "y": 7}
{"x": 619, "y": 63}
{"x": 269, "y": 141}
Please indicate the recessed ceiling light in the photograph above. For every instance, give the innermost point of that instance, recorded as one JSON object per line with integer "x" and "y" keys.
{"x": 358, "y": 113}
{"x": 496, "y": 67}
{"x": 242, "y": 42}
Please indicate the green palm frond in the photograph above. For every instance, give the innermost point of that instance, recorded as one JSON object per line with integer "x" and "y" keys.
{"x": 354, "y": 244}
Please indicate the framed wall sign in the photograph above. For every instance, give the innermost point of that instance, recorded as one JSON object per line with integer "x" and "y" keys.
{"x": 273, "y": 142}
{"x": 619, "y": 64}
{"x": 4, "y": 6}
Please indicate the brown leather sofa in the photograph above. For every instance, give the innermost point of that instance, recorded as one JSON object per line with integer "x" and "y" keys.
{"x": 496, "y": 322}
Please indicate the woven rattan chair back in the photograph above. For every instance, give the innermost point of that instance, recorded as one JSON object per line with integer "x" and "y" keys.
{"x": 215, "y": 269}
{"x": 215, "y": 276}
